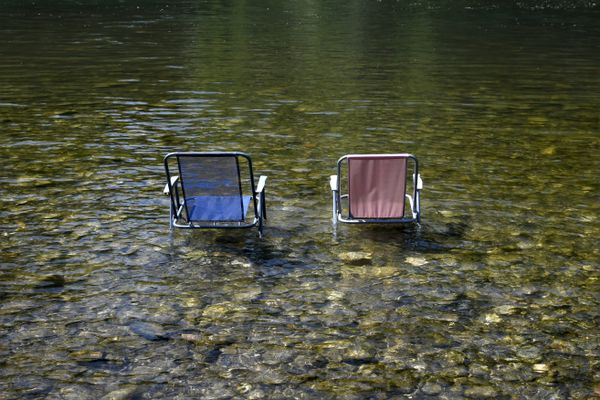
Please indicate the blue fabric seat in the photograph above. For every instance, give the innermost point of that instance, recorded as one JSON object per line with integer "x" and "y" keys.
{"x": 218, "y": 208}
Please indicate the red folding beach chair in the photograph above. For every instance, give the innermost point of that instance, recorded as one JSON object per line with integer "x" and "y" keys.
{"x": 374, "y": 189}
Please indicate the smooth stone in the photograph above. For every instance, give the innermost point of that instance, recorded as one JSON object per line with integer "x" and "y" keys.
{"x": 217, "y": 310}
{"x": 87, "y": 355}
{"x": 541, "y": 368}
{"x": 530, "y": 353}
{"x": 191, "y": 337}
{"x": 247, "y": 294}
{"x": 356, "y": 257}
{"x": 505, "y": 309}
{"x": 52, "y": 281}
{"x": 148, "y": 330}
{"x": 431, "y": 388}
{"x": 453, "y": 358}
{"x": 416, "y": 261}
{"x": 481, "y": 392}
{"x": 492, "y": 318}
{"x": 120, "y": 394}
{"x": 256, "y": 394}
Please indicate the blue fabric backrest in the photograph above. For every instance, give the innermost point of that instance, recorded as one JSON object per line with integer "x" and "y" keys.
{"x": 212, "y": 188}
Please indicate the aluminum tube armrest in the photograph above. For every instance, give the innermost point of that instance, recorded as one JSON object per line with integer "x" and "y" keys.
{"x": 262, "y": 181}
{"x": 333, "y": 182}
{"x": 419, "y": 182}
{"x": 174, "y": 180}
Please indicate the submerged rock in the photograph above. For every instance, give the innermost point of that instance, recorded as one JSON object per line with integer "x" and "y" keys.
{"x": 356, "y": 257}
{"x": 52, "y": 281}
{"x": 120, "y": 394}
{"x": 431, "y": 388}
{"x": 481, "y": 392}
{"x": 148, "y": 330}
{"x": 541, "y": 368}
{"x": 87, "y": 355}
{"x": 416, "y": 261}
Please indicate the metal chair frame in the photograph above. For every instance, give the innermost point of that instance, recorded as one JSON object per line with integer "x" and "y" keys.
{"x": 179, "y": 216}
{"x": 414, "y": 201}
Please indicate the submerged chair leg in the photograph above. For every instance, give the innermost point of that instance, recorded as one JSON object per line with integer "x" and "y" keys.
{"x": 263, "y": 205}
{"x": 334, "y": 191}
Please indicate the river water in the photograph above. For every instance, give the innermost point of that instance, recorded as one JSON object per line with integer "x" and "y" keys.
{"x": 495, "y": 295}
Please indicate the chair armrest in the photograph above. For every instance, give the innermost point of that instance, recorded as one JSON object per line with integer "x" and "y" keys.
{"x": 419, "y": 182}
{"x": 174, "y": 180}
{"x": 262, "y": 181}
{"x": 333, "y": 182}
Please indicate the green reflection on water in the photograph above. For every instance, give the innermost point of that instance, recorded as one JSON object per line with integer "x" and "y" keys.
{"x": 496, "y": 295}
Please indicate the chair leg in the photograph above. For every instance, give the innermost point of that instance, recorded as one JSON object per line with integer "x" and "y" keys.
{"x": 418, "y": 206}
{"x": 334, "y": 209}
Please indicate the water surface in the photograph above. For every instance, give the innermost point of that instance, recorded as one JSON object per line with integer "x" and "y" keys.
{"x": 495, "y": 295}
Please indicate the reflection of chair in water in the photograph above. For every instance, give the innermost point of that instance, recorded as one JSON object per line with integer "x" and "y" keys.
{"x": 214, "y": 190}
{"x": 376, "y": 189}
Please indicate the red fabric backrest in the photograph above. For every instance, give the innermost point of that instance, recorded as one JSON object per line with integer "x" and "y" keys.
{"x": 377, "y": 185}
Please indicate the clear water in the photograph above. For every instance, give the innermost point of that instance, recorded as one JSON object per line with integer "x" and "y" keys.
{"x": 496, "y": 295}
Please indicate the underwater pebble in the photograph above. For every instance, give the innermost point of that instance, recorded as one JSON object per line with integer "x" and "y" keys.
{"x": 148, "y": 330}
{"x": 256, "y": 394}
{"x": 217, "y": 310}
{"x": 479, "y": 371}
{"x": 541, "y": 368}
{"x": 492, "y": 318}
{"x": 530, "y": 353}
{"x": 74, "y": 393}
{"x": 119, "y": 394}
{"x": 448, "y": 213}
{"x": 505, "y": 309}
{"x": 87, "y": 355}
{"x": 191, "y": 337}
{"x": 356, "y": 257}
{"x": 335, "y": 295}
{"x": 242, "y": 263}
{"x": 384, "y": 272}
{"x": 549, "y": 151}
{"x": 431, "y": 388}
{"x": 416, "y": 261}
{"x": 481, "y": 392}
{"x": 248, "y": 293}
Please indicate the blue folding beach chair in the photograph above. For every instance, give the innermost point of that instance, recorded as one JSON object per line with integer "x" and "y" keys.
{"x": 214, "y": 190}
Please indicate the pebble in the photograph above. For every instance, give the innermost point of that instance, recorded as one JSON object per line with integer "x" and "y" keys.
{"x": 431, "y": 388}
{"x": 416, "y": 261}
{"x": 481, "y": 392}
{"x": 505, "y": 309}
{"x": 247, "y": 294}
{"x": 148, "y": 330}
{"x": 530, "y": 353}
{"x": 356, "y": 257}
{"x": 492, "y": 318}
{"x": 119, "y": 394}
{"x": 191, "y": 337}
{"x": 540, "y": 368}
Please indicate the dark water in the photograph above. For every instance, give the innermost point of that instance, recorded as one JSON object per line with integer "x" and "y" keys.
{"x": 496, "y": 295}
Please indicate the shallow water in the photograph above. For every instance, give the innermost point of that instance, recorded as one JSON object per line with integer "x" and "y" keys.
{"x": 495, "y": 295}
